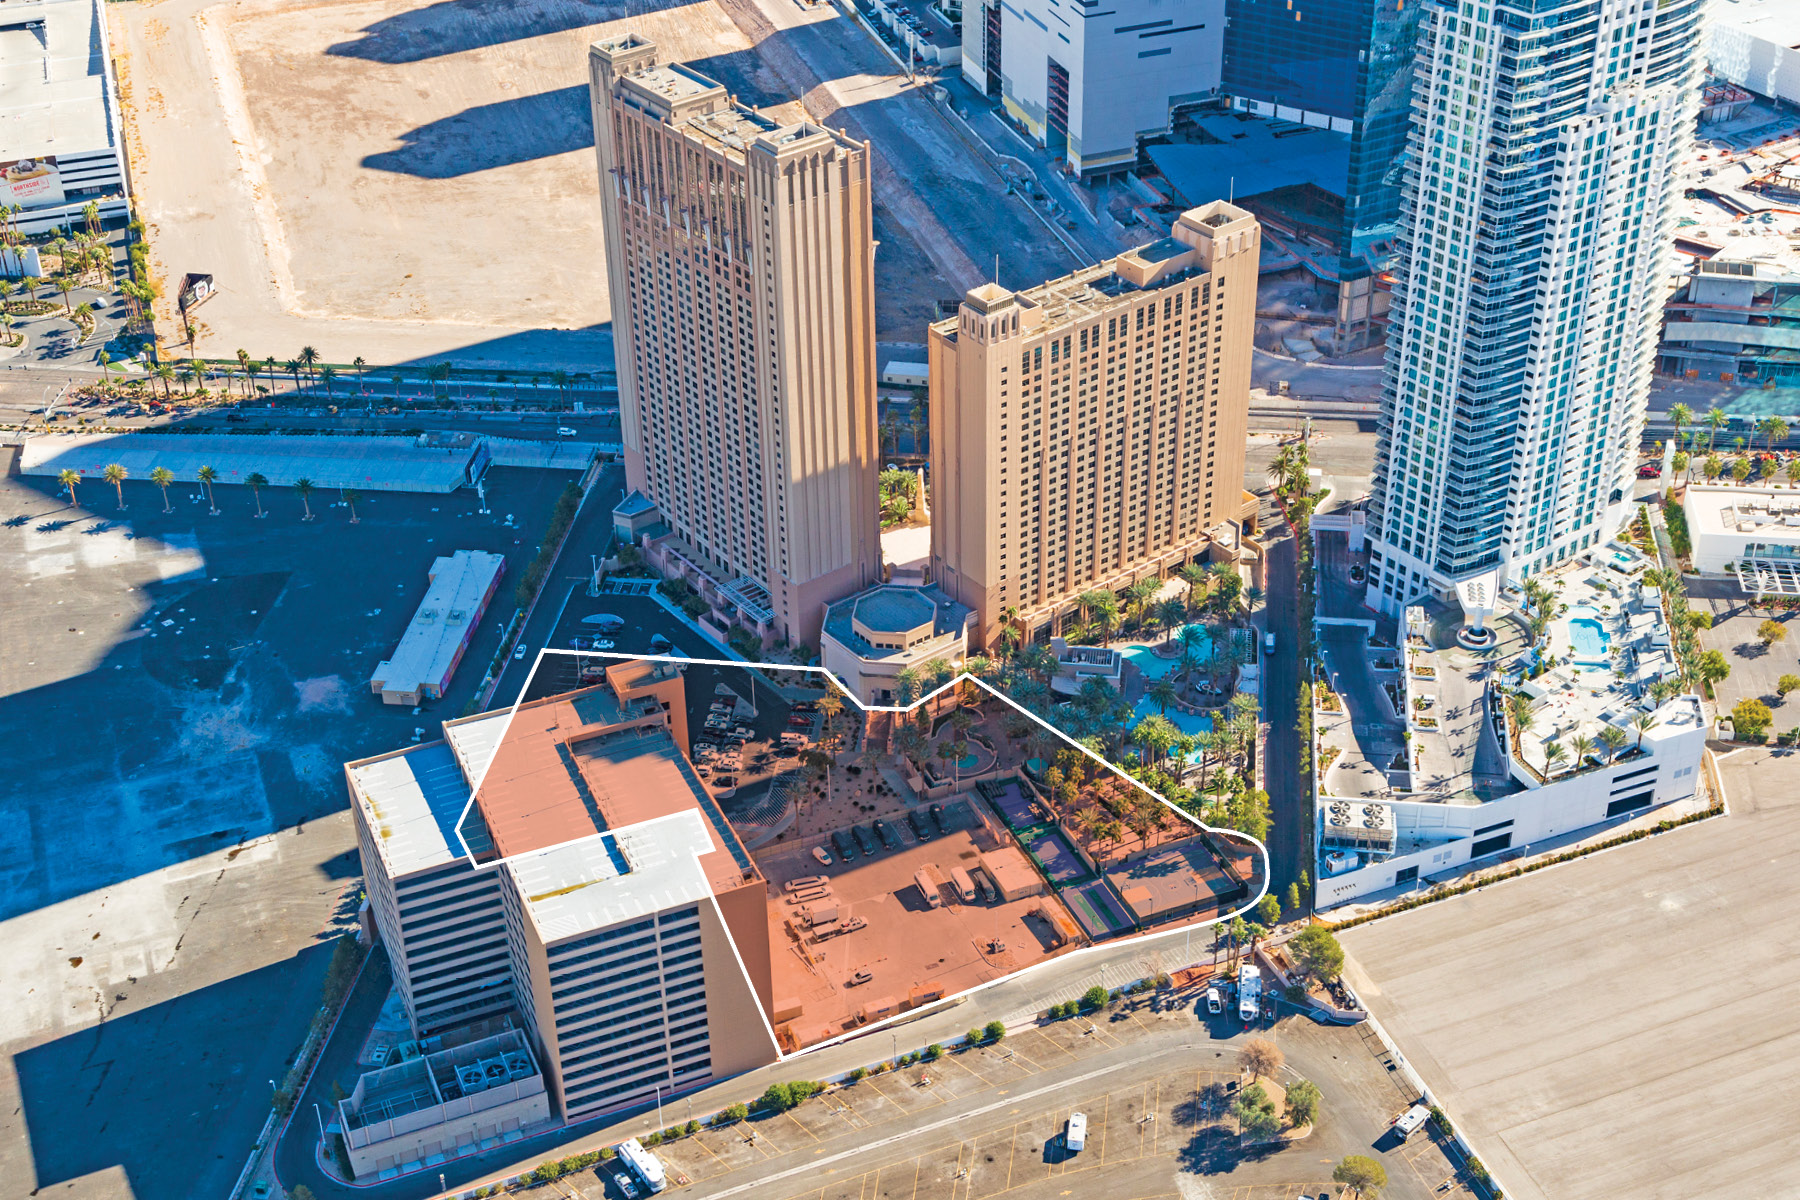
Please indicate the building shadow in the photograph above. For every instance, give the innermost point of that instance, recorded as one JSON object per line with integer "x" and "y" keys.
{"x": 174, "y": 1093}
{"x": 453, "y": 26}
{"x": 486, "y": 136}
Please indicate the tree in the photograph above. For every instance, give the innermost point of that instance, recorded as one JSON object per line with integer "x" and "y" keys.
{"x": 69, "y": 477}
{"x": 1740, "y": 469}
{"x": 1711, "y": 467}
{"x": 1554, "y": 752}
{"x": 994, "y": 1031}
{"x": 1293, "y": 897}
{"x": 116, "y": 474}
{"x": 1316, "y": 952}
{"x": 1680, "y": 415}
{"x": 256, "y": 481}
{"x": 1163, "y": 693}
{"x": 1612, "y": 737}
{"x": 1268, "y": 910}
{"x": 1362, "y": 1174}
{"x": 305, "y": 488}
{"x": 308, "y": 357}
{"x": 1095, "y": 997}
{"x": 1786, "y": 684}
{"x": 65, "y": 285}
{"x": 350, "y": 498}
{"x": 782, "y": 1096}
{"x": 207, "y": 475}
{"x": 1262, "y": 1057}
{"x": 1302, "y": 1103}
{"x": 300, "y": 1192}
{"x": 326, "y": 375}
{"x": 1712, "y": 667}
{"x": 1699, "y": 618}
{"x": 1773, "y": 429}
{"x": 1256, "y": 1113}
{"x": 1770, "y": 632}
{"x": 1750, "y": 720}
{"x": 162, "y": 477}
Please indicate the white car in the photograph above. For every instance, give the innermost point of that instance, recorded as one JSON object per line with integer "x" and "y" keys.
{"x": 602, "y": 644}
{"x": 519, "y": 652}
{"x": 1215, "y": 1000}
{"x": 564, "y": 431}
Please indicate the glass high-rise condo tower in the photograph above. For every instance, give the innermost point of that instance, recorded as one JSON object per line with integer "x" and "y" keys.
{"x": 1536, "y": 213}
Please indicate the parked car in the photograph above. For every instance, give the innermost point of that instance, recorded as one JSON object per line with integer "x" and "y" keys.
{"x": 1215, "y": 1000}
{"x": 518, "y": 651}
{"x": 871, "y": 846}
{"x": 846, "y": 848}
{"x": 988, "y": 891}
{"x": 937, "y": 818}
{"x": 660, "y": 644}
{"x": 861, "y": 977}
{"x": 890, "y": 837}
{"x": 920, "y": 825}
{"x": 564, "y": 431}
{"x": 1650, "y": 471}
{"x": 824, "y": 858}
{"x": 602, "y": 644}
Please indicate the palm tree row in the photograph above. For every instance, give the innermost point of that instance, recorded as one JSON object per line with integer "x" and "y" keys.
{"x": 116, "y": 474}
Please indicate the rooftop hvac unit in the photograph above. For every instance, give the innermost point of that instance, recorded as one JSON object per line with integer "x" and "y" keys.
{"x": 471, "y": 1079}
{"x": 518, "y": 1064}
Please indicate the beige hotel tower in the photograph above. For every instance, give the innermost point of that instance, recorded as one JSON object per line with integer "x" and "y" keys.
{"x": 1089, "y": 432}
{"x": 740, "y": 262}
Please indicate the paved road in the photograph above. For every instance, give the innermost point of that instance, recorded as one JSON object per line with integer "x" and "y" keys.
{"x": 1056, "y": 1067}
{"x": 1290, "y": 801}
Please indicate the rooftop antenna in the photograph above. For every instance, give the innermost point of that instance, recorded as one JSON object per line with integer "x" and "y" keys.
{"x": 996, "y": 269}
{"x": 1231, "y": 195}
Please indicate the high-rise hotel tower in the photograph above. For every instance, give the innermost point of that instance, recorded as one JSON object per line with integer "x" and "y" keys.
{"x": 1536, "y": 215}
{"x": 740, "y": 259}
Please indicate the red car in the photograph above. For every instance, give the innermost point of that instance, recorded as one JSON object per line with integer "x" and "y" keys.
{"x": 1650, "y": 471}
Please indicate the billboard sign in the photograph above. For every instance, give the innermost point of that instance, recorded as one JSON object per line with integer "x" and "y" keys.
{"x": 31, "y": 182}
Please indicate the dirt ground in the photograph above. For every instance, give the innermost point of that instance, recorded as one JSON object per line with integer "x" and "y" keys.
{"x": 406, "y": 181}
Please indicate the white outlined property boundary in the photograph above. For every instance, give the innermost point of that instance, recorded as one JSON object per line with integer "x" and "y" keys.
{"x": 1057, "y": 960}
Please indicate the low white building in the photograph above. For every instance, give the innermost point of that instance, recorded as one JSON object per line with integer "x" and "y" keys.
{"x": 61, "y": 145}
{"x": 440, "y": 631}
{"x": 1091, "y": 82}
{"x": 1427, "y": 772}
{"x": 1752, "y": 531}
{"x": 1756, "y": 45}
{"x": 870, "y": 638}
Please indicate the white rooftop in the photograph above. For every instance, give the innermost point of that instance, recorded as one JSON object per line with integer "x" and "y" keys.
{"x": 1770, "y": 512}
{"x": 615, "y": 876}
{"x": 414, "y": 798}
{"x": 1772, "y": 20}
{"x": 436, "y": 635}
{"x": 53, "y": 92}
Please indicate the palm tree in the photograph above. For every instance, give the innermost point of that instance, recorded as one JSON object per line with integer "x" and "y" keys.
{"x": 350, "y": 498}
{"x": 1138, "y": 596}
{"x": 1773, "y": 429}
{"x": 292, "y": 367}
{"x": 1553, "y": 754}
{"x": 308, "y": 357}
{"x": 1680, "y": 415}
{"x": 326, "y": 375}
{"x": 116, "y": 475}
{"x": 256, "y": 481}
{"x": 1582, "y": 745}
{"x": 65, "y": 285}
{"x": 1712, "y": 466}
{"x": 304, "y": 486}
{"x": 360, "y": 365}
{"x": 1715, "y": 421}
{"x": 207, "y": 475}
{"x": 162, "y": 477}
{"x": 1171, "y": 612}
{"x": 165, "y": 372}
{"x": 1612, "y": 737}
{"x": 1163, "y": 693}
{"x": 69, "y": 477}
{"x": 1643, "y": 723}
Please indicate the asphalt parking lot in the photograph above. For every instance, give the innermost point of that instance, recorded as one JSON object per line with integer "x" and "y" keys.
{"x": 180, "y": 845}
{"x": 1755, "y": 669}
{"x": 1635, "y": 1049}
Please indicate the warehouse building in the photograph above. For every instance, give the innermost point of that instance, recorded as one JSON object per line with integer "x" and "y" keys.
{"x": 440, "y": 631}
{"x": 60, "y": 139}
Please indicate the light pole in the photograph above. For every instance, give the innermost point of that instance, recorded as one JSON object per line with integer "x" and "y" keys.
{"x": 321, "y": 1120}
{"x": 659, "y": 1120}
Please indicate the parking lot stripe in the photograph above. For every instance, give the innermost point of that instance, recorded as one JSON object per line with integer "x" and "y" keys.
{"x": 803, "y": 1129}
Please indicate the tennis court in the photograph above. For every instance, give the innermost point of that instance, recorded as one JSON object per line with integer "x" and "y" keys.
{"x": 1054, "y": 855}
{"x": 1010, "y": 799}
{"x": 1098, "y": 910}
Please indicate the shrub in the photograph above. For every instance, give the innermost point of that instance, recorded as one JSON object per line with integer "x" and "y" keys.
{"x": 859, "y": 1074}
{"x": 995, "y": 1031}
{"x": 932, "y": 1052}
{"x": 1750, "y": 720}
{"x": 731, "y": 1114}
{"x": 780, "y": 1097}
{"x": 651, "y": 1139}
{"x": 1095, "y": 997}
{"x": 974, "y": 1035}
{"x": 1315, "y": 951}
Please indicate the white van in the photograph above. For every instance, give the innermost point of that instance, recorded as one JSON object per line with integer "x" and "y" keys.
{"x": 1076, "y": 1136}
{"x": 1268, "y": 643}
{"x": 1410, "y": 1121}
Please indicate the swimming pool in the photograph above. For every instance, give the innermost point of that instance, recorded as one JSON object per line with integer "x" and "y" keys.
{"x": 1155, "y": 666}
{"x": 1588, "y": 638}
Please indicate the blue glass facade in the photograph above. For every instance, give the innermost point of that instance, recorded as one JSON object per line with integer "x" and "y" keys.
{"x": 1350, "y": 60}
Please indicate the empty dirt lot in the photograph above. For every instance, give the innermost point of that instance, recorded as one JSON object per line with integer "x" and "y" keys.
{"x": 405, "y": 181}
{"x": 1622, "y": 1025}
